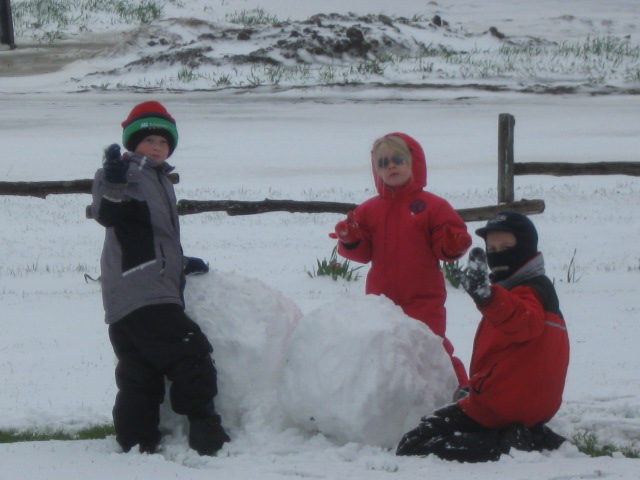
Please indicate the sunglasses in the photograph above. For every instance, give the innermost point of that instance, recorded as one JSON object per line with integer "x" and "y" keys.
{"x": 383, "y": 162}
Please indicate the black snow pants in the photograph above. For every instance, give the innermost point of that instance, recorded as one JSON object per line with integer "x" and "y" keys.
{"x": 150, "y": 343}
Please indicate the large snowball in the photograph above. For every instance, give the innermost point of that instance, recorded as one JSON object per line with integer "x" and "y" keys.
{"x": 249, "y": 325}
{"x": 356, "y": 369}
{"x": 360, "y": 370}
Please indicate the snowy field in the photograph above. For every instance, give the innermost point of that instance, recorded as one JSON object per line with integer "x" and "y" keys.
{"x": 260, "y": 307}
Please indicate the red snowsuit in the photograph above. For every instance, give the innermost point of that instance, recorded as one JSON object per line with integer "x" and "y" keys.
{"x": 402, "y": 235}
{"x": 520, "y": 360}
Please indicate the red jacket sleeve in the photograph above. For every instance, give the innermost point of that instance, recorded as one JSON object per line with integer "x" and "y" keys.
{"x": 517, "y": 313}
{"x": 443, "y": 215}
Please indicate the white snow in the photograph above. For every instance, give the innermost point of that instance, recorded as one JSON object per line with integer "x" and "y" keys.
{"x": 289, "y": 347}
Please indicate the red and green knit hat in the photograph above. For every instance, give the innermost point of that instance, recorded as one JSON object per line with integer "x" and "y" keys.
{"x": 149, "y": 118}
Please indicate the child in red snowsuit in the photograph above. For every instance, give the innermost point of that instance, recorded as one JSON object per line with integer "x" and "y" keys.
{"x": 520, "y": 354}
{"x": 404, "y": 232}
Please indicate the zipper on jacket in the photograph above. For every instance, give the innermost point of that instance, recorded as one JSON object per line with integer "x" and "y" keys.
{"x": 164, "y": 260}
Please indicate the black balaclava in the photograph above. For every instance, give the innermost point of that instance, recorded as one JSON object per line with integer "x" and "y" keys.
{"x": 503, "y": 264}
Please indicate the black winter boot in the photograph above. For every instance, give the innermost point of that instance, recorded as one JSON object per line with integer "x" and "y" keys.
{"x": 206, "y": 434}
{"x": 517, "y": 436}
{"x": 472, "y": 447}
{"x": 150, "y": 443}
{"x": 530, "y": 439}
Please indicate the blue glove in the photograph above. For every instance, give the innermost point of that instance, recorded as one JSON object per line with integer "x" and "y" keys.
{"x": 195, "y": 266}
{"x": 114, "y": 165}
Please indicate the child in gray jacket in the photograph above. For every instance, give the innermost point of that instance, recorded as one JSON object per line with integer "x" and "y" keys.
{"x": 143, "y": 279}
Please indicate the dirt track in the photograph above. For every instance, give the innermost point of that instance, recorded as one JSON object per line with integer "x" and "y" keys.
{"x": 38, "y": 58}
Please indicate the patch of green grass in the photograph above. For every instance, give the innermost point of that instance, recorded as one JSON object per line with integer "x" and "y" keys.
{"x": 449, "y": 269}
{"x": 47, "y": 20}
{"x": 335, "y": 269}
{"x": 256, "y": 16}
{"x": 609, "y": 47}
{"x": 372, "y": 66}
{"x": 187, "y": 75}
{"x": 93, "y": 433}
{"x": 588, "y": 443}
{"x": 595, "y": 58}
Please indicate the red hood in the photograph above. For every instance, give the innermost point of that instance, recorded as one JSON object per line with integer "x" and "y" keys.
{"x": 418, "y": 165}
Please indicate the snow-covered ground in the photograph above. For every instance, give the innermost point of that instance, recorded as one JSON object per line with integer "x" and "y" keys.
{"x": 259, "y": 305}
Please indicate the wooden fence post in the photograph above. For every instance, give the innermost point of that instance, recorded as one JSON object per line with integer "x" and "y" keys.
{"x": 506, "y": 123}
{"x": 6, "y": 24}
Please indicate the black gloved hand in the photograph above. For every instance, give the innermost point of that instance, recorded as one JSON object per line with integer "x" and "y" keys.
{"x": 115, "y": 166}
{"x": 410, "y": 441}
{"x": 414, "y": 441}
{"x": 475, "y": 280}
{"x": 195, "y": 265}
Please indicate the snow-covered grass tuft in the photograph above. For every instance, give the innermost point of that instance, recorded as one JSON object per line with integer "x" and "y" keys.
{"x": 335, "y": 269}
{"x": 51, "y": 20}
{"x": 593, "y": 62}
{"x": 588, "y": 442}
{"x": 256, "y": 16}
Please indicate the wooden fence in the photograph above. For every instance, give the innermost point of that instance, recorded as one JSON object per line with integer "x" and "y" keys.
{"x": 237, "y": 207}
{"x": 508, "y": 168}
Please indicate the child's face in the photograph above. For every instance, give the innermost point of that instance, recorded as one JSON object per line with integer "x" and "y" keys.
{"x": 156, "y": 147}
{"x": 498, "y": 241}
{"x": 392, "y": 173}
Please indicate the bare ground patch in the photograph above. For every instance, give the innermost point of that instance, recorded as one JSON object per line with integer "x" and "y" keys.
{"x": 38, "y": 58}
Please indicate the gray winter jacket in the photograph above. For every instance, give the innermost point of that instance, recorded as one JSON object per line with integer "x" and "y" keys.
{"x": 142, "y": 260}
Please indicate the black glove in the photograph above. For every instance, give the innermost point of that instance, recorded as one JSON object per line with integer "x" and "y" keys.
{"x": 195, "y": 265}
{"x": 417, "y": 441}
{"x": 115, "y": 166}
{"x": 476, "y": 280}
{"x": 412, "y": 440}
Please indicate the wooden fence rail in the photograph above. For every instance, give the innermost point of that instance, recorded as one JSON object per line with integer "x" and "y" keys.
{"x": 508, "y": 168}
{"x": 570, "y": 169}
{"x": 235, "y": 207}
{"x": 62, "y": 187}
